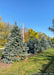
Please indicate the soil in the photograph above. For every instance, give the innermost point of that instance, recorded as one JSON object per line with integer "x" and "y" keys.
{"x": 4, "y": 65}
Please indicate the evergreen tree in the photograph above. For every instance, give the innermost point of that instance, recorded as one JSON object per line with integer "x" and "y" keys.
{"x": 44, "y": 43}
{"x": 50, "y": 42}
{"x": 34, "y": 46}
{"x": 52, "y": 28}
{"x": 15, "y": 48}
{"x": 30, "y": 45}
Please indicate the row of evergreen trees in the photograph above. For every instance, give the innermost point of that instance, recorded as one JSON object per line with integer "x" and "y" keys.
{"x": 16, "y": 49}
{"x": 36, "y": 46}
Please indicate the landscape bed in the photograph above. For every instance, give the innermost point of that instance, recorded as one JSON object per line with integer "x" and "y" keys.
{"x": 41, "y": 63}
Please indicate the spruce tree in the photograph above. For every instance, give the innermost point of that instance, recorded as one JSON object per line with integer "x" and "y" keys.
{"x": 50, "y": 42}
{"x": 34, "y": 46}
{"x": 15, "y": 48}
{"x": 30, "y": 45}
{"x": 44, "y": 43}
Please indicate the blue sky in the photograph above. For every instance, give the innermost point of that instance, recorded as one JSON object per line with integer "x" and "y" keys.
{"x": 36, "y": 14}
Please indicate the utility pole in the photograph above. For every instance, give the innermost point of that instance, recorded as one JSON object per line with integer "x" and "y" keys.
{"x": 23, "y": 31}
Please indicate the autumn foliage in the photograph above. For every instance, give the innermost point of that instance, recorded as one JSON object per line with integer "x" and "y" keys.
{"x": 28, "y": 33}
{"x": 4, "y": 32}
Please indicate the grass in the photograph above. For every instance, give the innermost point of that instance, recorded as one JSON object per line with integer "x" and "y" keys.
{"x": 43, "y": 62}
{"x": 50, "y": 68}
{"x": 1, "y": 49}
{"x": 0, "y": 54}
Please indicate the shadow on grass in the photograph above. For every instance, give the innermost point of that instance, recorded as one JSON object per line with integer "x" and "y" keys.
{"x": 42, "y": 57}
{"x": 49, "y": 68}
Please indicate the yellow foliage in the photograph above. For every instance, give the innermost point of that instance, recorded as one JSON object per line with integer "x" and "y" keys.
{"x": 4, "y": 32}
{"x": 37, "y": 36}
{"x": 17, "y": 56}
{"x": 32, "y": 34}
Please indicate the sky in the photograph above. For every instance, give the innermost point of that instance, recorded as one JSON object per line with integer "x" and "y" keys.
{"x": 35, "y": 14}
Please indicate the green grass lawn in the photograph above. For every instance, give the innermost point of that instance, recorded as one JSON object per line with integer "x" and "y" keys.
{"x": 43, "y": 62}
{"x": 1, "y": 49}
{"x": 0, "y": 54}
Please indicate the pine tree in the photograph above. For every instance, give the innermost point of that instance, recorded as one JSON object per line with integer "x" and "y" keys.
{"x": 15, "y": 48}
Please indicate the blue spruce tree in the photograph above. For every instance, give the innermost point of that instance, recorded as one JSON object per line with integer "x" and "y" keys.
{"x": 34, "y": 46}
{"x": 30, "y": 45}
{"x": 15, "y": 48}
{"x": 50, "y": 42}
{"x": 44, "y": 43}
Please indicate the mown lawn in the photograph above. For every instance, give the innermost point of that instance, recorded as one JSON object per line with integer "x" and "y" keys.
{"x": 43, "y": 62}
{"x": 0, "y": 54}
{"x": 1, "y": 49}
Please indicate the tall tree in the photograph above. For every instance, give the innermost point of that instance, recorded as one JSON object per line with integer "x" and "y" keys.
{"x": 34, "y": 46}
{"x": 44, "y": 43}
{"x": 15, "y": 48}
{"x": 52, "y": 28}
{"x": 32, "y": 34}
{"x": 4, "y": 32}
{"x": 50, "y": 42}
